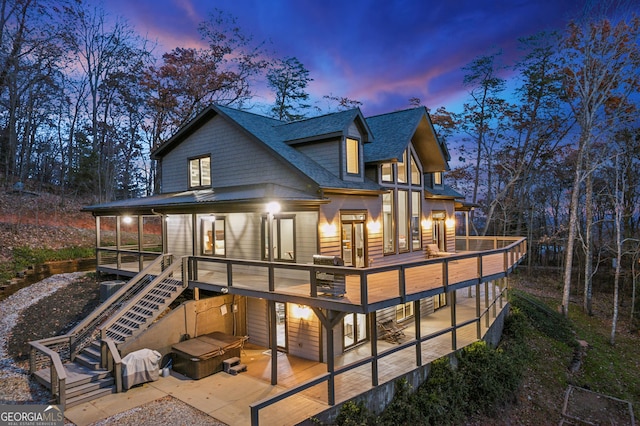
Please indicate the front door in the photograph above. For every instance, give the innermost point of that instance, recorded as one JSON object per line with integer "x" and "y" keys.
{"x": 354, "y": 251}
{"x": 439, "y": 230}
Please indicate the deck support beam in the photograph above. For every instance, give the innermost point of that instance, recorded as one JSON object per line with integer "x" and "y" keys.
{"x": 417, "y": 318}
{"x": 373, "y": 326}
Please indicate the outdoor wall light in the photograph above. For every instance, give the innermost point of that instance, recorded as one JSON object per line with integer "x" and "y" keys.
{"x": 329, "y": 229}
{"x": 373, "y": 227}
{"x": 450, "y": 222}
{"x": 426, "y": 223}
{"x": 211, "y": 218}
{"x": 127, "y": 219}
{"x": 302, "y": 312}
{"x": 273, "y": 207}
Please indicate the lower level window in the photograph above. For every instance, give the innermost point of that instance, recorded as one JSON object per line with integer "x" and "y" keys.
{"x": 404, "y": 311}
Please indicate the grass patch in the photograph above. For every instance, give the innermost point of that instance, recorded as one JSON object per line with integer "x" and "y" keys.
{"x": 613, "y": 370}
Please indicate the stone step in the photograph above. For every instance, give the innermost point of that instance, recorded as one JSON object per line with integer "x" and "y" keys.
{"x": 237, "y": 369}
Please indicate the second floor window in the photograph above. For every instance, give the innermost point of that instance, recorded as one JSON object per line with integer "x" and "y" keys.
{"x": 200, "y": 172}
{"x": 353, "y": 157}
{"x": 437, "y": 178}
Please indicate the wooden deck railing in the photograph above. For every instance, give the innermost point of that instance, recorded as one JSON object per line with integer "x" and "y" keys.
{"x": 41, "y": 355}
{"x": 366, "y": 289}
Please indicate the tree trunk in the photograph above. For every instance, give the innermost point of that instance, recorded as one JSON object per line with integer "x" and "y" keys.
{"x": 588, "y": 240}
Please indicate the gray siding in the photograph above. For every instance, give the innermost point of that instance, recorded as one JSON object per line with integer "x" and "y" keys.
{"x": 234, "y": 159}
{"x": 258, "y": 322}
{"x": 179, "y": 235}
{"x": 303, "y": 335}
{"x": 326, "y": 154}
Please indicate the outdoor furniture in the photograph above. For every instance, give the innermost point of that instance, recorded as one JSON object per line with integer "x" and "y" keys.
{"x": 390, "y": 331}
{"x": 434, "y": 251}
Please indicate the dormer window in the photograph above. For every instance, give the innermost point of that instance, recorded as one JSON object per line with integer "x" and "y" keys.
{"x": 200, "y": 172}
{"x": 353, "y": 156}
{"x": 437, "y": 178}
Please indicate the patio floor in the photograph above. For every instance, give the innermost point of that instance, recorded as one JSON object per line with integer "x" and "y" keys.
{"x": 228, "y": 398}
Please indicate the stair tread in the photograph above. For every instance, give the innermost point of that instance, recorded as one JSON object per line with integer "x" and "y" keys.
{"x": 89, "y": 396}
{"x": 86, "y": 388}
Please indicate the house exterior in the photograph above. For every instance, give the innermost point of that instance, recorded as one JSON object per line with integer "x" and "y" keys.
{"x": 368, "y": 191}
{"x": 317, "y": 236}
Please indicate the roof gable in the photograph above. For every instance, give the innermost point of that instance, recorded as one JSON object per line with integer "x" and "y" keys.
{"x": 393, "y": 133}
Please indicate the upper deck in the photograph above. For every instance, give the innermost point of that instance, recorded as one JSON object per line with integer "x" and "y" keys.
{"x": 361, "y": 290}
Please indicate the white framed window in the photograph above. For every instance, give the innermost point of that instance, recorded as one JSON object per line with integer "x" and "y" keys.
{"x": 437, "y": 178}
{"x": 200, "y": 172}
{"x": 353, "y": 156}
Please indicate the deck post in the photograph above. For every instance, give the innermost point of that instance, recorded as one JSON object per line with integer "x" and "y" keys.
{"x": 274, "y": 342}
{"x": 140, "y": 243}
{"x": 331, "y": 390}
{"x": 373, "y": 326}
{"x": 454, "y": 340}
{"x": 478, "y": 310}
{"x": 487, "y": 320}
{"x": 416, "y": 318}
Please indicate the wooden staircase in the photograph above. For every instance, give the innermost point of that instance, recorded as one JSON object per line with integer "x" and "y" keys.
{"x": 121, "y": 318}
{"x": 85, "y": 379}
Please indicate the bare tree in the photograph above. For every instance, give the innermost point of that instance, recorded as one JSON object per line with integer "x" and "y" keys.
{"x": 600, "y": 63}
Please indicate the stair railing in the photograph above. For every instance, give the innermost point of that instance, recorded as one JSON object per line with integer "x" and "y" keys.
{"x": 176, "y": 268}
{"x": 88, "y": 329}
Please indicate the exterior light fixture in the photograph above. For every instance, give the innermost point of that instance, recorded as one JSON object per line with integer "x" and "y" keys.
{"x": 450, "y": 222}
{"x": 373, "y": 227}
{"x": 127, "y": 219}
{"x": 329, "y": 229}
{"x": 273, "y": 207}
{"x": 426, "y": 223}
{"x": 302, "y": 312}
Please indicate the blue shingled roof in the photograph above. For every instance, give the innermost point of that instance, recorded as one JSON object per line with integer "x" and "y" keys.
{"x": 393, "y": 132}
{"x": 271, "y": 133}
{"x": 317, "y": 127}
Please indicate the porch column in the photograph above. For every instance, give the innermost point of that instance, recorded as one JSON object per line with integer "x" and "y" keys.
{"x": 478, "y": 310}
{"x": 454, "y": 340}
{"x": 486, "y": 304}
{"x": 273, "y": 333}
{"x": 98, "y": 252}
{"x": 118, "y": 243}
{"x": 140, "y": 245}
{"x": 417, "y": 318}
{"x": 331, "y": 390}
{"x": 373, "y": 326}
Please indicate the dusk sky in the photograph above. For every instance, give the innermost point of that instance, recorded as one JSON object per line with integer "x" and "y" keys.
{"x": 381, "y": 53}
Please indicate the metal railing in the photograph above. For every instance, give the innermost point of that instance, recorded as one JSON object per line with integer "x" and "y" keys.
{"x": 53, "y": 352}
{"x": 329, "y": 377}
{"x": 369, "y": 289}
